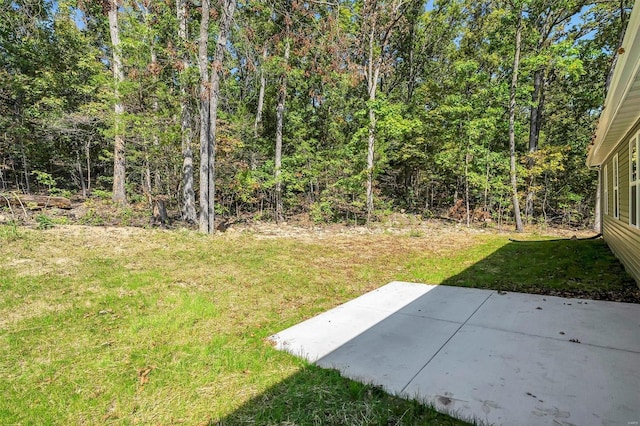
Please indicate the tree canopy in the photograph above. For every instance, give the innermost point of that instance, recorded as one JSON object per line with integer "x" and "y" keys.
{"x": 339, "y": 109}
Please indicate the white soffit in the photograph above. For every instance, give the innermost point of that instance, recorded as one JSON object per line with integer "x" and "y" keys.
{"x": 622, "y": 105}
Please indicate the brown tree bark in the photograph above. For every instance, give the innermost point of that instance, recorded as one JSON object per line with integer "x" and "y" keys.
{"x": 379, "y": 22}
{"x": 282, "y": 96}
{"x": 263, "y": 84}
{"x": 205, "y": 97}
{"x": 512, "y": 116}
{"x": 188, "y": 194}
{"x": 210, "y": 93}
{"x": 34, "y": 202}
{"x": 535, "y": 124}
{"x": 119, "y": 166}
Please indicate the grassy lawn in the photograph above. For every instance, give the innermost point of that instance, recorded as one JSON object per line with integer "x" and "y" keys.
{"x": 132, "y": 326}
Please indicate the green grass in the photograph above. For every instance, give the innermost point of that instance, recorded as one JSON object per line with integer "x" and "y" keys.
{"x": 122, "y": 326}
{"x": 581, "y": 268}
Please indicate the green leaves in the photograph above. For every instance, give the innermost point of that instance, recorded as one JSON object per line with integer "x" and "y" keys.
{"x": 440, "y": 106}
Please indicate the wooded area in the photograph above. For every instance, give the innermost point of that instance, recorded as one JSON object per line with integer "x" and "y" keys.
{"x": 340, "y": 109}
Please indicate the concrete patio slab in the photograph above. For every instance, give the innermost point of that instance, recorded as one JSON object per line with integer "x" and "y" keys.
{"x": 504, "y": 378}
{"x": 385, "y": 357}
{"x": 476, "y": 354}
{"x": 328, "y": 331}
{"x": 448, "y": 303}
{"x": 601, "y": 323}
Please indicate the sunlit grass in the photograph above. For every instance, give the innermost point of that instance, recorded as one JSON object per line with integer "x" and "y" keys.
{"x": 126, "y": 326}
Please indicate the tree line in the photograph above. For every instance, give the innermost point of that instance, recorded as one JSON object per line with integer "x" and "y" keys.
{"x": 340, "y": 109}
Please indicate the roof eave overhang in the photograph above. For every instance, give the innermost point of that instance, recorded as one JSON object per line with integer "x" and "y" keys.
{"x": 622, "y": 104}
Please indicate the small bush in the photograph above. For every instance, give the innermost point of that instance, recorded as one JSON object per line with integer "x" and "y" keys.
{"x": 92, "y": 217}
{"x": 99, "y": 193}
{"x": 10, "y": 232}
{"x": 44, "y": 221}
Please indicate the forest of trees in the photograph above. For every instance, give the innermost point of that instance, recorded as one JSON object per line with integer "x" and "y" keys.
{"x": 339, "y": 109}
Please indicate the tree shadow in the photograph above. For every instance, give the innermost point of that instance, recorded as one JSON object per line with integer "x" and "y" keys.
{"x": 319, "y": 396}
{"x": 584, "y": 268}
{"x": 315, "y": 395}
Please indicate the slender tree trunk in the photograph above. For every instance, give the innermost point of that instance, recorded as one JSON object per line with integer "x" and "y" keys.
{"x": 188, "y": 195}
{"x": 263, "y": 83}
{"x": 119, "y": 167}
{"x": 87, "y": 150}
{"x": 537, "y": 104}
{"x": 486, "y": 181}
{"x": 411, "y": 83}
{"x": 157, "y": 181}
{"x": 535, "y": 124}
{"x": 282, "y": 96}
{"x": 466, "y": 186}
{"x": 147, "y": 179}
{"x": 25, "y": 167}
{"x": 83, "y": 187}
{"x": 205, "y": 97}
{"x": 371, "y": 142}
{"x": 149, "y": 186}
{"x": 372, "y": 73}
{"x": 377, "y": 38}
{"x": 512, "y": 119}
{"x": 228, "y": 9}
{"x": 597, "y": 220}
{"x": 256, "y": 125}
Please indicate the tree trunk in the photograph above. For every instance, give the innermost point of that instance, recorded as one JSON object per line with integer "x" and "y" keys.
{"x": 256, "y": 124}
{"x": 87, "y": 151}
{"x": 207, "y": 223}
{"x": 466, "y": 186}
{"x": 537, "y": 104}
{"x": 205, "y": 97}
{"x": 370, "y": 157}
{"x": 411, "y": 83}
{"x": 379, "y": 20}
{"x": 34, "y": 202}
{"x": 372, "y": 74}
{"x": 119, "y": 167}
{"x": 2, "y": 181}
{"x": 263, "y": 83}
{"x": 597, "y": 220}
{"x": 156, "y": 187}
{"x": 486, "y": 180}
{"x": 512, "y": 119}
{"x": 535, "y": 124}
{"x": 282, "y": 96}
{"x": 147, "y": 179}
{"x": 188, "y": 195}
{"x": 25, "y": 167}
{"x": 83, "y": 187}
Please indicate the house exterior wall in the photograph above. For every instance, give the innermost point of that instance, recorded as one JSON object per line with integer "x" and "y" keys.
{"x": 622, "y": 237}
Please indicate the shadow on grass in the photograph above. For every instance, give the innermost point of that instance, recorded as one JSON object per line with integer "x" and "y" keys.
{"x": 568, "y": 268}
{"x": 317, "y": 396}
{"x": 573, "y": 268}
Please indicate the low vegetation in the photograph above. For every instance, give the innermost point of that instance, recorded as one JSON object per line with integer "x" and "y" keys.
{"x": 133, "y": 326}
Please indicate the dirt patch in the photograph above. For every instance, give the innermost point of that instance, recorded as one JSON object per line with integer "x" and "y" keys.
{"x": 110, "y": 220}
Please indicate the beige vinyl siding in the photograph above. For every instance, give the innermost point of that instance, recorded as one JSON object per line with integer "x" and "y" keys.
{"x": 624, "y": 241}
{"x": 606, "y": 190}
{"x": 634, "y": 182}
{"x": 623, "y": 158}
{"x": 622, "y": 238}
